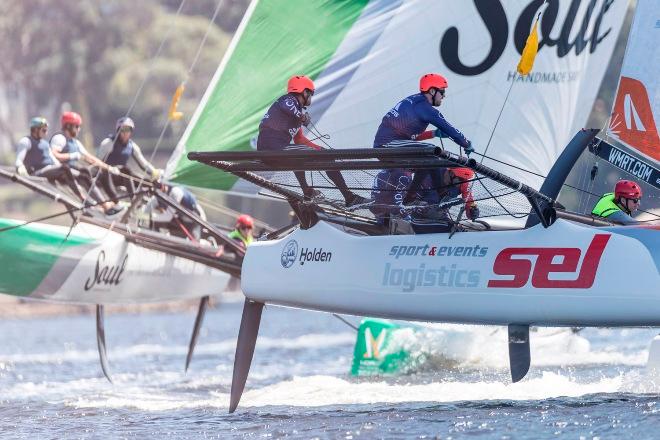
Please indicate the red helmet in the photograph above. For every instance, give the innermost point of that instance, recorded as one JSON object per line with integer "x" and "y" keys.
{"x": 432, "y": 80}
{"x": 464, "y": 174}
{"x": 244, "y": 220}
{"x": 72, "y": 118}
{"x": 298, "y": 84}
{"x": 627, "y": 189}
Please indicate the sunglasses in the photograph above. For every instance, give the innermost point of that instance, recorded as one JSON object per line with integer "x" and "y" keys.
{"x": 634, "y": 200}
{"x": 43, "y": 129}
{"x": 125, "y": 130}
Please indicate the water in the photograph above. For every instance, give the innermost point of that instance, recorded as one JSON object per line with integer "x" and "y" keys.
{"x": 51, "y": 385}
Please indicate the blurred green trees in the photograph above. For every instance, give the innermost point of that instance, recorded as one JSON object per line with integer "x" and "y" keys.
{"x": 94, "y": 55}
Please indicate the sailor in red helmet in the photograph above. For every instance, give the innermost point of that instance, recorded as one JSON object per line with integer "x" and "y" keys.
{"x": 619, "y": 205}
{"x": 282, "y": 125}
{"x": 69, "y": 151}
{"x": 408, "y": 120}
{"x": 242, "y": 233}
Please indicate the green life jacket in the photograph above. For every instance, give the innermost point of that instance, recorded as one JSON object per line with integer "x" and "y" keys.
{"x": 236, "y": 235}
{"x": 606, "y": 206}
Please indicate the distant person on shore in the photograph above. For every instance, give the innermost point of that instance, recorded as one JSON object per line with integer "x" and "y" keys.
{"x": 619, "y": 205}
{"x": 282, "y": 124}
{"x": 242, "y": 233}
{"x": 408, "y": 120}
{"x": 68, "y": 150}
{"x": 117, "y": 150}
{"x": 34, "y": 157}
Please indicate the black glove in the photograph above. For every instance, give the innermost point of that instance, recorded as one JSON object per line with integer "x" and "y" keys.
{"x": 305, "y": 119}
{"x": 472, "y": 212}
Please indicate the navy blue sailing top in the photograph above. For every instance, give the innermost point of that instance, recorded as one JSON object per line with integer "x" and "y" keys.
{"x": 280, "y": 124}
{"x": 409, "y": 118}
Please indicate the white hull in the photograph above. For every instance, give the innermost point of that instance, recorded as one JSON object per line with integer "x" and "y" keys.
{"x": 568, "y": 274}
{"x": 103, "y": 267}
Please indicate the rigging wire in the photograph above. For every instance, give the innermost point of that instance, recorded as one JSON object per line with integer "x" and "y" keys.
{"x": 155, "y": 57}
{"x": 187, "y": 76}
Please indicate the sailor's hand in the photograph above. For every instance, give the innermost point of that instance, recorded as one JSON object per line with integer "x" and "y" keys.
{"x": 472, "y": 212}
{"x": 113, "y": 170}
{"x": 21, "y": 170}
{"x": 156, "y": 174}
{"x": 440, "y": 134}
{"x": 468, "y": 148}
{"x": 305, "y": 119}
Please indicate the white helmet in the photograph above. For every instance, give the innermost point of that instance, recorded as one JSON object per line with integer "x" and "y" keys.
{"x": 125, "y": 121}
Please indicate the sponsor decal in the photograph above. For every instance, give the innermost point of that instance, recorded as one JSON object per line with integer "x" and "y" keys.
{"x": 314, "y": 255}
{"x": 632, "y": 118}
{"x": 106, "y": 274}
{"x": 577, "y": 31}
{"x": 289, "y": 253}
{"x": 410, "y": 279}
{"x": 519, "y": 264}
{"x": 438, "y": 251}
{"x": 631, "y": 164}
{"x": 373, "y": 345}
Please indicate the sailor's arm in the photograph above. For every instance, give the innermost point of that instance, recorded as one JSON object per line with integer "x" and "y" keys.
{"x": 143, "y": 163}
{"x": 622, "y": 218}
{"x": 21, "y": 151}
{"x": 57, "y": 144}
{"x": 300, "y": 139}
{"x": 105, "y": 148}
{"x": 434, "y": 117}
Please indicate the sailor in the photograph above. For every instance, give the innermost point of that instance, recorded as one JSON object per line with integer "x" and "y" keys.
{"x": 177, "y": 222}
{"x": 242, "y": 233}
{"x": 282, "y": 124}
{"x": 425, "y": 210}
{"x": 117, "y": 150}
{"x": 408, "y": 120}
{"x": 70, "y": 152}
{"x": 619, "y": 205}
{"x": 34, "y": 157}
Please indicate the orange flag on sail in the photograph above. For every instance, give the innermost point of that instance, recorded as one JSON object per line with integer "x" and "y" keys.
{"x": 529, "y": 51}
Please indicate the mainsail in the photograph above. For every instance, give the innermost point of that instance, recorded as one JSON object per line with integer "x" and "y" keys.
{"x": 365, "y": 56}
{"x": 636, "y": 113}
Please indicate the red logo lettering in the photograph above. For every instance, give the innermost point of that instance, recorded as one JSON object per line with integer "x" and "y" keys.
{"x": 521, "y": 268}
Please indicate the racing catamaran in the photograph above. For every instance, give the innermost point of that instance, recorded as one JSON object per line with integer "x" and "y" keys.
{"x": 525, "y": 261}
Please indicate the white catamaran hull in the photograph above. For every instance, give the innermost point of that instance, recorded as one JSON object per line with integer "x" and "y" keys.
{"x": 568, "y": 274}
{"x": 97, "y": 266}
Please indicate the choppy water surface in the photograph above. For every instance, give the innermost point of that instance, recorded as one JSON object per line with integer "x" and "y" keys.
{"x": 51, "y": 385}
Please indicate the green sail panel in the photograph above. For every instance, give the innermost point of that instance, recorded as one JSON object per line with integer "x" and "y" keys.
{"x": 29, "y": 253}
{"x": 277, "y": 38}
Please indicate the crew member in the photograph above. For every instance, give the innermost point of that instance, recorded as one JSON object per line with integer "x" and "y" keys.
{"x": 117, "y": 150}
{"x": 408, "y": 120}
{"x": 429, "y": 208}
{"x": 70, "y": 152}
{"x": 34, "y": 157}
{"x": 242, "y": 233}
{"x": 619, "y": 205}
{"x": 282, "y": 124}
{"x": 178, "y": 223}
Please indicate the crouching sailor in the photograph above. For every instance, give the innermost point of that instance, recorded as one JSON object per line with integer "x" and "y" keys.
{"x": 71, "y": 152}
{"x": 178, "y": 223}
{"x": 117, "y": 150}
{"x": 283, "y": 124}
{"x": 34, "y": 157}
{"x": 242, "y": 233}
{"x": 619, "y": 205}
